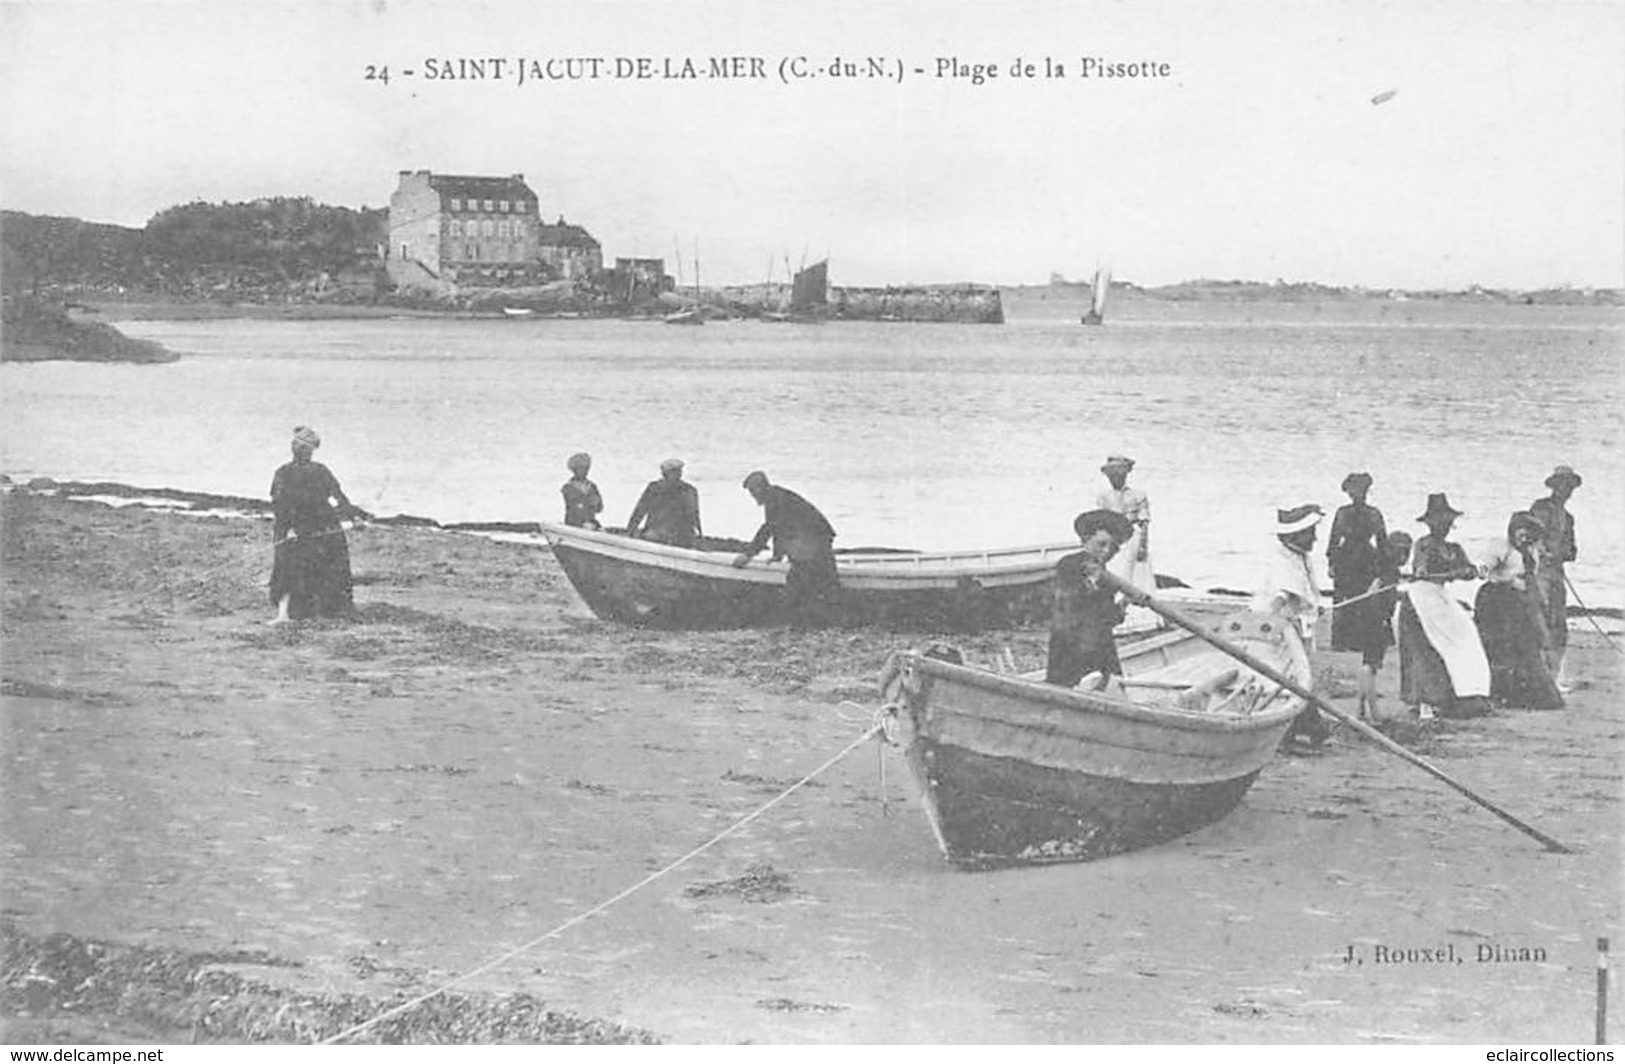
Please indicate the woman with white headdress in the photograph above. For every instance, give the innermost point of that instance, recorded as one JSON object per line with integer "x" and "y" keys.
{"x": 311, "y": 573}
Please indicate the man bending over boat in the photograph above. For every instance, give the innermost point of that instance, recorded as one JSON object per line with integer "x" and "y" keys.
{"x": 798, "y": 532}
{"x": 1086, "y": 609}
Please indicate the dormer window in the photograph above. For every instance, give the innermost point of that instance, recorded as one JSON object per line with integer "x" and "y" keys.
{"x": 502, "y": 205}
{"x": 488, "y": 205}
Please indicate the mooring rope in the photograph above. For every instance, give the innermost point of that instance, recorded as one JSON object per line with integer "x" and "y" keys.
{"x": 1591, "y": 615}
{"x": 606, "y": 903}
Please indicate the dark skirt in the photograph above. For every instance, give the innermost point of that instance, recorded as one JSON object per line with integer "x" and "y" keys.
{"x": 1553, "y": 596}
{"x": 1513, "y": 633}
{"x": 1423, "y": 676}
{"x": 1069, "y": 662}
{"x": 313, "y": 573}
{"x": 1356, "y": 627}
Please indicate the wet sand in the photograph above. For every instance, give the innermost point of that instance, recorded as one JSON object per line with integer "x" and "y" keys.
{"x": 323, "y": 816}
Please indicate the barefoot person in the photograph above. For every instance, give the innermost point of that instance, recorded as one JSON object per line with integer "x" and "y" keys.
{"x": 1086, "y": 610}
{"x": 1557, "y": 549}
{"x": 1291, "y": 590}
{"x": 582, "y": 503}
{"x": 1511, "y": 623}
{"x": 1442, "y": 668}
{"x": 1375, "y": 632}
{"x": 310, "y": 575}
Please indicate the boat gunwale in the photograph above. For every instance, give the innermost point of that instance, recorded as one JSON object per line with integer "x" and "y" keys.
{"x": 1017, "y": 687}
{"x": 901, "y": 564}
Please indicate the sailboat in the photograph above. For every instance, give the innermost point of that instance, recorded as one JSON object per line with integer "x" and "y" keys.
{"x": 694, "y": 315}
{"x": 1096, "y": 314}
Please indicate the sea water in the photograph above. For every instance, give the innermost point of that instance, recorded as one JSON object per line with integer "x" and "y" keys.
{"x": 911, "y": 435}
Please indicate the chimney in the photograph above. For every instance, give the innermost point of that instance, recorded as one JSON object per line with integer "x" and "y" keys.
{"x": 518, "y": 177}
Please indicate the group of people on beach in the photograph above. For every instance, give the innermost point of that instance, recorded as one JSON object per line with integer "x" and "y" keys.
{"x": 668, "y": 511}
{"x": 1387, "y": 588}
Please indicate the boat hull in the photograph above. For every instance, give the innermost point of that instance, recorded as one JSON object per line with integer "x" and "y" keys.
{"x": 656, "y": 586}
{"x": 1013, "y": 771}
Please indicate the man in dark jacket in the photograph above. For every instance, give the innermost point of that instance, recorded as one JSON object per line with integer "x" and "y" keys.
{"x": 800, "y": 533}
{"x": 668, "y": 511}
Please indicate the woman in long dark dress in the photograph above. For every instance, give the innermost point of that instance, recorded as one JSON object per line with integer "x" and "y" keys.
{"x": 1510, "y": 621}
{"x": 1354, "y": 559}
{"x": 310, "y": 576}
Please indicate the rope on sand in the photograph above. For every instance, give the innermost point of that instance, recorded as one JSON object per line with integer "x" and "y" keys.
{"x": 497, "y": 962}
{"x": 1591, "y": 616}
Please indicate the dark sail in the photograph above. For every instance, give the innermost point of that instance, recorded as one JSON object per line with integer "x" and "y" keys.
{"x": 811, "y": 286}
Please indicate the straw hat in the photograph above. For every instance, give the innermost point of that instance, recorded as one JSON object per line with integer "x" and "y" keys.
{"x": 304, "y": 436}
{"x": 1091, "y": 521}
{"x": 1564, "y": 472}
{"x": 1117, "y": 461}
{"x": 1297, "y": 519}
{"x": 1438, "y": 506}
{"x": 1360, "y": 481}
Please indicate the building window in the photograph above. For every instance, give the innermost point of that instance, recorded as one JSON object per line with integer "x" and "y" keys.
{"x": 456, "y": 204}
{"x": 488, "y": 228}
{"x": 454, "y": 229}
{"x": 488, "y": 205}
{"x": 502, "y": 205}
{"x": 406, "y": 251}
{"x": 519, "y": 206}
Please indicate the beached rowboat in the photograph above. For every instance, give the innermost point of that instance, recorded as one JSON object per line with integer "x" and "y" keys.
{"x": 1015, "y": 771}
{"x": 655, "y": 585}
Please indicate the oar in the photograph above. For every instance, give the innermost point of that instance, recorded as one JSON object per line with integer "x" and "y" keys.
{"x": 1141, "y": 598}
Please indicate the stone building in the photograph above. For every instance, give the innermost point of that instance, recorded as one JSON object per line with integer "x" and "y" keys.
{"x": 447, "y": 230}
{"x": 569, "y": 251}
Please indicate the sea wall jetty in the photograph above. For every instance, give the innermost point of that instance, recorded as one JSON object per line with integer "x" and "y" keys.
{"x": 970, "y": 304}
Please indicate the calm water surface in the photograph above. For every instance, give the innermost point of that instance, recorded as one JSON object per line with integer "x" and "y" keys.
{"x": 913, "y": 435}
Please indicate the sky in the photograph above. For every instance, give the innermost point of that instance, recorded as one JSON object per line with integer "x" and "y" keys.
{"x": 1369, "y": 143}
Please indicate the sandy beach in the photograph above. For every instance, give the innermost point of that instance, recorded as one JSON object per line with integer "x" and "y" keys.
{"x": 219, "y": 830}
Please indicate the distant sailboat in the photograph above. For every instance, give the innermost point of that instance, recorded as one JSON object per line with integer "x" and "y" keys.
{"x": 1096, "y": 314}
{"x": 695, "y": 314}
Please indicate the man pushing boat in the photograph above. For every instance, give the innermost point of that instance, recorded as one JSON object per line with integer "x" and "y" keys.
{"x": 798, "y": 532}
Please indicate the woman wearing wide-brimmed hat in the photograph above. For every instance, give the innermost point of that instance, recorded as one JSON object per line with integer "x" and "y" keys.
{"x": 1508, "y": 615}
{"x": 1133, "y": 562}
{"x": 1556, "y": 549}
{"x": 310, "y": 575}
{"x": 1353, "y": 558}
{"x": 1442, "y": 667}
{"x": 1291, "y": 590}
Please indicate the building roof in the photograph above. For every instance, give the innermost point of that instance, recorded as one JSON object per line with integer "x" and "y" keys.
{"x": 564, "y": 235}
{"x": 492, "y": 188}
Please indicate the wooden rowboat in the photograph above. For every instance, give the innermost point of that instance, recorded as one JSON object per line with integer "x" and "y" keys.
{"x": 1014, "y": 771}
{"x": 640, "y": 582}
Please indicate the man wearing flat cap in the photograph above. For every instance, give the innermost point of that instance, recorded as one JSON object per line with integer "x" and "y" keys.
{"x": 799, "y": 532}
{"x": 668, "y": 511}
{"x": 1556, "y": 550}
{"x": 1085, "y": 609}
